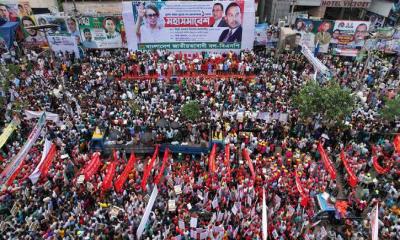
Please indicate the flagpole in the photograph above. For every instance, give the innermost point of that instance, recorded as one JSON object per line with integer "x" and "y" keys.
{"x": 264, "y": 218}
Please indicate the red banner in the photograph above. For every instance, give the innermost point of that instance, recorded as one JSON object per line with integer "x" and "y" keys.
{"x": 304, "y": 198}
{"x": 148, "y": 168}
{"x": 107, "y": 182}
{"x": 44, "y": 168}
{"x": 396, "y": 143}
{"x": 15, "y": 174}
{"x": 228, "y": 159}
{"x": 352, "y": 177}
{"x": 327, "y": 162}
{"x": 379, "y": 169}
{"x": 211, "y": 159}
{"x": 164, "y": 163}
{"x": 92, "y": 167}
{"x": 246, "y": 156}
{"x": 124, "y": 175}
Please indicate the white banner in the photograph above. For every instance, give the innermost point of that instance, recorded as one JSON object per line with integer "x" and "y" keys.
{"x": 318, "y": 65}
{"x": 34, "y": 177}
{"x": 189, "y": 25}
{"x": 147, "y": 211}
{"x": 374, "y": 223}
{"x": 36, "y": 114}
{"x": 15, "y": 163}
{"x": 63, "y": 42}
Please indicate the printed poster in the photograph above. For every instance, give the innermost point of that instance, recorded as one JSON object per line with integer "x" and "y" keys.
{"x": 63, "y": 43}
{"x": 315, "y": 32}
{"x": 349, "y": 36}
{"x": 189, "y": 25}
{"x": 102, "y": 32}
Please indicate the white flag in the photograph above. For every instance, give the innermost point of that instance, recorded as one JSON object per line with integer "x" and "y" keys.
{"x": 34, "y": 177}
{"x": 264, "y": 218}
{"x": 375, "y": 222}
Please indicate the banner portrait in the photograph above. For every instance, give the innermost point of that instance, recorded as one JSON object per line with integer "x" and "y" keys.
{"x": 349, "y": 36}
{"x": 102, "y": 32}
{"x": 32, "y": 37}
{"x": 315, "y": 32}
{"x": 43, "y": 19}
{"x": 9, "y": 10}
{"x": 189, "y": 25}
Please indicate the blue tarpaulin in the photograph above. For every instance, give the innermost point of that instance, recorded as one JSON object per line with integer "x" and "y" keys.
{"x": 7, "y": 32}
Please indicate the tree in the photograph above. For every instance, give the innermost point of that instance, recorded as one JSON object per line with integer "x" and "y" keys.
{"x": 391, "y": 109}
{"x": 331, "y": 103}
{"x": 191, "y": 110}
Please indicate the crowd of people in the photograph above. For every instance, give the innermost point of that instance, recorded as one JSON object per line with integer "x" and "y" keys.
{"x": 256, "y": 114}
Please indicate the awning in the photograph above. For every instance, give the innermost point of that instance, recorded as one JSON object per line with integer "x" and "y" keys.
{"x": 381, "y": 7}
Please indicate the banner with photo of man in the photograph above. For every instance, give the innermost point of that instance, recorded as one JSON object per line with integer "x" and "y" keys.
{"x": 9, "y": 11}
{"x": 102, "y": 32}
{"x": 349, "y": 37}
{"x": 315, "y": 33}
{"x": 189, "y": 25}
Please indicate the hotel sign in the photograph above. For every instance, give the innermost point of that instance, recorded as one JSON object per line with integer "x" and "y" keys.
{"x": 346, "y": 3}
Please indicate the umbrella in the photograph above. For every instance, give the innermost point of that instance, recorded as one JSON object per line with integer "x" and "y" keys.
{"x": 147, "y": 137}
{"x": 175, "y": 125}
{"x": 325, "y": 136}
{"x": 162, "y": 123}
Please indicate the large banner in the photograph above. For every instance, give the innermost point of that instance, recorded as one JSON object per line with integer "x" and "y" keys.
{"x": 349, "y": 37}
{"x": 17, "y": 160}
{"x": 315, "y": 32}
{"x": 189, "y": 25}
{"x": 102, "y": 32}
{"x": 63, "y": 43}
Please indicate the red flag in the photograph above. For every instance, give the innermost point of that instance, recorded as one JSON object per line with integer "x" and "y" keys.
{"x": 44, "y": 168}
{"x": 164, "y": 163}
{"x": 148, "y": 168}
{"x": 92, "y": 167}
{"x": 327, "y": 162}
{"x": 249, "y": 162}
{"x": 107, "y": 182}
{"x": 227, "y": 159}
{"x": 124, "y": 175}
{"x": 115, "y": 155}
{"x": 396, "y": 143}
{"x": 379, "y": 169}
{"x": 211, "y": 159}
{"x": 352, "y": 177}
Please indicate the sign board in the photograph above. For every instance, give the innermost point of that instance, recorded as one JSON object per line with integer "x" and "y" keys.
{"x": 346, "y": 3}
{"x": 189, "y": 25}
